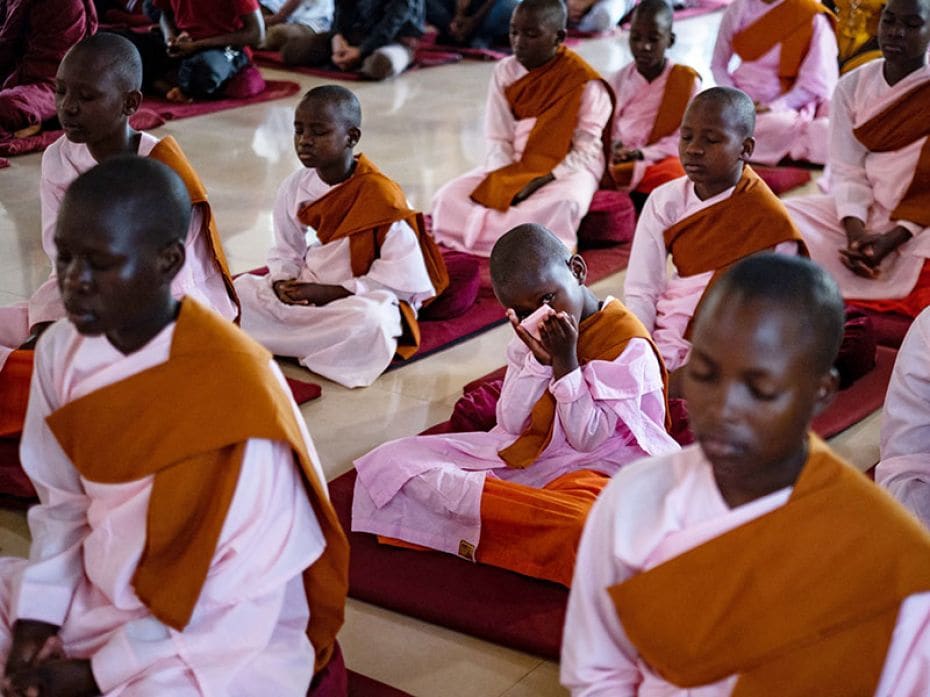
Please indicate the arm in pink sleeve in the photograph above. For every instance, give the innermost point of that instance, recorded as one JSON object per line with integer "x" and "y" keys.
{"x": 597, "y": 658}
{"x": 849, "y": 182}
{"x": 286, "y": 256}
{"x": 646, "y": 273}
{"x": 524, "y": 383}
{"x": 723, "y": 47}
{"x": 499, "y": 124}
{"x": 587, "y": 152}
{"x": 818, "y": 74}
{"x": 58, "y": 524}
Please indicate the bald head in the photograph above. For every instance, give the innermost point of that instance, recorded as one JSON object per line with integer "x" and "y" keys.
{"x": 793, "y": 284}
{"x": 522, "y": 252}
{"x": 659, "y": 11}
{"x": 148, "y": 196}
{"x": 342, "y": 101}
{"x": 107, "y": 54}
{"x": 551, "y": 13}
{"x": 734, "y": 107}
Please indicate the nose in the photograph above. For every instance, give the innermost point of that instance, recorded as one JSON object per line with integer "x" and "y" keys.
{"x": 76, "y": 276}
{"x": 694, "y": 148}
{"x": 726, "y": 403}
{"x": 68, "y": 103}
{"x": 303, "y": 139}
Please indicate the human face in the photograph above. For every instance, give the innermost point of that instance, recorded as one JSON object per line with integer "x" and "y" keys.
{"x": 904, "y": 31}
{"x": 112, "y": 280}
{"x": 91, "y": 104}
{"x": 650, "y": 37}
{"x": 322, "y": 138}
{"x": 534, "y": 41}
{"x": 751, "y": 386}
{"x": 711, "y": 147}
{"x": 559, "y": 284}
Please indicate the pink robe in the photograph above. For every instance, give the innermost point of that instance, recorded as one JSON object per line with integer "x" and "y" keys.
{"x": 427, "y": 489}
{"x": 199, "y": 278}
{"x": 638, "y": 103}
{"x": 655, "y": 510}
{"x": 663, "y": 300}
{"x": 905, "y": 434}
{"x": 865, "y": 185}
{"x": 34, "y": 37}
{"x": 350, "y": 341}
{"x": 796, "y": 124}
{"x": 247, "y": 633}
{"x": 462, "y": 224}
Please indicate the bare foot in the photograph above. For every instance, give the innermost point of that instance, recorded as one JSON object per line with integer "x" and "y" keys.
{"x": 28, "y": 131}
{"x": 176, "y": 95}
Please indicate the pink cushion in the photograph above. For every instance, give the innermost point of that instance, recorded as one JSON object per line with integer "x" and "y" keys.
{"x": 476, "y": 410}
{"x": 611, "y": 220}
{"x": 464, "y": 281}
{"x": 782, "y": 179}
{"x": 246, "y": 83}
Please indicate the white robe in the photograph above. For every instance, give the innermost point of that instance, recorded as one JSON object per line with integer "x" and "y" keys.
{"x": 247, "y": 633}
{"x": 652, "y": 511}
{"x": 350, "y": 341}
{"x": 905, "y": 432}
{"x": 462, "y": 224}
{"x": 865, "y": 185}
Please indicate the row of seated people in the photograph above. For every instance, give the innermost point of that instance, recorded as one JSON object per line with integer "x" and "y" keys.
{"x": 553, "y": 277}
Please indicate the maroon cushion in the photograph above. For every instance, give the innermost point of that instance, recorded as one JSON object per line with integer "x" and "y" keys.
{"x": 13, "y": 480}
{"x": 476, "y": 410}
{"x": 246, "y": 83}
{"x": 782, "y": 179}
{"x": 611, "y": 220}
{"x": 857, "y": 352}
{"x": 464, "y": 281}
{"x": 890, "y": 327}
{"x": 681, "y": 425}
{"x": 332, "y": 681}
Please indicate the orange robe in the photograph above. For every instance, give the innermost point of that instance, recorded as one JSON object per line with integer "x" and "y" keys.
{"x": 363, "y": 208}
{"x": 195, "y": 462}
{"x": 801, "y": 601}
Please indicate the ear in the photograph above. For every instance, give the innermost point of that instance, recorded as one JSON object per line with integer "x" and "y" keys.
{"x": 171, "y": 259}
{"x": 560, "y": 36}
{"x": 132, "y": 102}
{"x": 578, "y": 268}
{"x": 826, "y": 390}
{"x": 671, "y": 39}
{"x": 749, "y": 144}
{"x": 354, "y": 135}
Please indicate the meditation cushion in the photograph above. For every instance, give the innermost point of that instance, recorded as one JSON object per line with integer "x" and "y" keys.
{"x": 13, "y": 480}
{"x": 611, "y": 220}
{"x": 333, "y": 680}
{"x": 246, "y": 83}
{"x": 857, "y": 352}
{"x": 476, "y": 410}
{"x": 464, "y": 281}
{"x": 890, "y": 327}
{"x": 782, "y": 179}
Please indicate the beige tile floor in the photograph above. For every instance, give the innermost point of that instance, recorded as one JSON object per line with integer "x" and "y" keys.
{"x": 422, "y": 129}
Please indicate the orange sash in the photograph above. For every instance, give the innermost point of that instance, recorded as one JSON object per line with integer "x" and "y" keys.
{"x": 897, "y": 126}
{"x": 799, "y": 602}
{"x": 790, "y": 24}
{"x": 751, "y": 220}
{"x": 168, "y": 152}
{"x": 675, "y": 99}
{"x": 222, "y": 379}
{"x": 363, "y": 208}
{"x": 601, "y": 337}
{"x": 551, "y": 94}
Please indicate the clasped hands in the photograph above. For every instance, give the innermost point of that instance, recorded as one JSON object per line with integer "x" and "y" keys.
{"x": 38, "y": 667}
{"x": 557, "y": 345}
{"x": 865, "y": 251}
{"x": 345, "y": 56}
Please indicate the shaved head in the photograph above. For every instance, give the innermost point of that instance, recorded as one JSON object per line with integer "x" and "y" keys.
{"x": 551, "y": 13}
{"x": 521, "y": 252}
{"x": 109, "y": 54}
{"x": 797, "y": 286}
{"x": 148, "y": 195}
{"x": 659, "y": 10}
{"x": 344, "y": 101}
{"x": 734, "y": 106}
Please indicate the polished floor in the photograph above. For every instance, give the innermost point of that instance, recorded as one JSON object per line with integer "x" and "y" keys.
{"x": 422, "y": 129}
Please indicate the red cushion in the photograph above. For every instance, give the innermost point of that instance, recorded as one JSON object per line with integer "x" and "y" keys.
{"x": 246, "y": 83}
{"x": 476, "y": 410}
{"x": 13, "y": 480}
{"x": 611, "y": 220}
{"x": 464, "y": 282}
{"x": 782, "y": 179}
{"x": 857, "y": 352}
{"x": 332, "y": 681}
{"x": 890, "y": 328}
{"x": 681, "y": 425}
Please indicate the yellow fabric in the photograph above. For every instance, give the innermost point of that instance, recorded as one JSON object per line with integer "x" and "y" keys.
{"x": 799, "y": 602}
{"x": 129, "y": 430}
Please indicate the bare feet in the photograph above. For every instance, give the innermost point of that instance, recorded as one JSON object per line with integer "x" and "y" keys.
{"x": 176, "y": 95}
{"x": 28, "y": 131}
